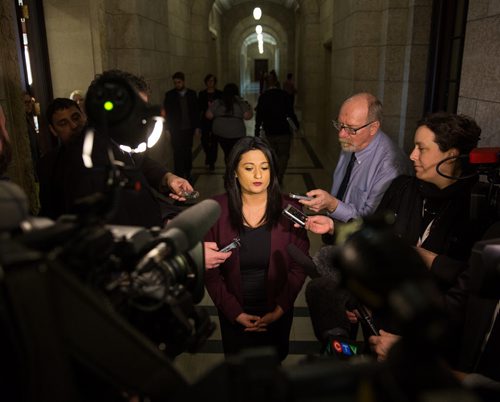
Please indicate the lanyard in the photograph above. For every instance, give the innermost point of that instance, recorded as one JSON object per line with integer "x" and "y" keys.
{"x": 427, "y": 230}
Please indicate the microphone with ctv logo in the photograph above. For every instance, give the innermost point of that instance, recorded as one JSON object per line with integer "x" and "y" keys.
{"x": 327, "y": 303}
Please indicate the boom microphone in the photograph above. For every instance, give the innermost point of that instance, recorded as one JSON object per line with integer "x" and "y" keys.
{"x": 190, "y": 226}
{"x": 325, "y": 260}
{"x": 326, "y": 303}
{"x": 303, "y": 260}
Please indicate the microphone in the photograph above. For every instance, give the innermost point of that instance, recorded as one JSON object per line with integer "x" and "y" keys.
{"x": 190, "y": 226}
{"x": 303, "y": 260}
{"x": 325, "y": 260}
{"x": 364, "y": 316}
{"x": 326, "y": 303}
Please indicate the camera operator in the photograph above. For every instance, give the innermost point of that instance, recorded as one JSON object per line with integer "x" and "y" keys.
{"x": 64, "y": 179}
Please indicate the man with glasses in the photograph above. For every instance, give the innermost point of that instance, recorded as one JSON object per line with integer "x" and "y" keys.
{"x": 369, "y": 161}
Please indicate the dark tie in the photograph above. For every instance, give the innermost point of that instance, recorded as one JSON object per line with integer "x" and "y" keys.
{"x": 345, "y": 180}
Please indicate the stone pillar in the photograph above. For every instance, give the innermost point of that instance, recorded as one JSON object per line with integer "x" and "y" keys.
{"x": 21, "y": 169}
{"x": 310, "y": 69}
{"x": 480, "y": 79}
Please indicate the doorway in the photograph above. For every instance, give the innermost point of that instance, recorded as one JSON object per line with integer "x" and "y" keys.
{"x": 261, "y": 66}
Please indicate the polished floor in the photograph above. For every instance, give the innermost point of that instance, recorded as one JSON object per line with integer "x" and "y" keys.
{"x": 305, "y": 171}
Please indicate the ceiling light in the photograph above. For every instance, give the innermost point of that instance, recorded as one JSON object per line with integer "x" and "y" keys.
{"x": 258, "y": 29}
{"x": 257, "y": 13}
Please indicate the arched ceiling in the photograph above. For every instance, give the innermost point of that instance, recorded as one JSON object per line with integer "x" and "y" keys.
{"x": 228, "y": 4}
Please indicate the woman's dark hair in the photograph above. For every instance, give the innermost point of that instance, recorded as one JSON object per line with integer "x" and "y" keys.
{"x": 452, "y": 131}
{"x": 208, "y": 77}
{"x": 229, "y": 95}
{"x": 232, "y": 186}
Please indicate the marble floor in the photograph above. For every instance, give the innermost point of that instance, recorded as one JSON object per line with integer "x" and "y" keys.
{"x": 305, "y": 171}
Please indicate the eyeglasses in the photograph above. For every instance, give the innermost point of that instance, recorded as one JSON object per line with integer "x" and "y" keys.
{"x": 349, "y": 130}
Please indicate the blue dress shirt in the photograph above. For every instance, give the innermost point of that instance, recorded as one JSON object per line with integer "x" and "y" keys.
{"x": 375, "y": 168}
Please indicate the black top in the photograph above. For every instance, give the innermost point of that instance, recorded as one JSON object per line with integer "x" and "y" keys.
{"x": 204, "y": 98}
{"x": 255, "y": 252}
{"x": 416, "y": 203}
{"x": 172, "y": 106}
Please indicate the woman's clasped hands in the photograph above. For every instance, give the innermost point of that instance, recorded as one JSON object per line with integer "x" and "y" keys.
{"x": 254, "y": 323}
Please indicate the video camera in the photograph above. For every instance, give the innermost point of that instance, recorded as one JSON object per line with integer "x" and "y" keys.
{"x": 116, "y": 302}
{"x": 90, "y": 311}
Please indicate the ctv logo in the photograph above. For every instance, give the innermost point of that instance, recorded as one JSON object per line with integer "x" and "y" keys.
{"x": 344, "y": 348}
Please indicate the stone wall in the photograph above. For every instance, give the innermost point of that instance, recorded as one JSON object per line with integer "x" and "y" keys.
{"x": 70, "y": 26}
{"x": 151, "y": 38}
{"x": 480, "y": 79}
{"x": 381, "y": 47}
{"x": 310, "y": 72}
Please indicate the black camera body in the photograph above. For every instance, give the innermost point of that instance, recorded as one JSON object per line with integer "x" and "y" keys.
{"x": 107, "y": 304}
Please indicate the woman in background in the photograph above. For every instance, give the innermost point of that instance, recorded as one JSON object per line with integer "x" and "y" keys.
{"x": 254, "y": 286}
{"x": 228, "y": 116}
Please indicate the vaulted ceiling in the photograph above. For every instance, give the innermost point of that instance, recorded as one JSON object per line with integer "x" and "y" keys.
{"x": 228, "y": 4}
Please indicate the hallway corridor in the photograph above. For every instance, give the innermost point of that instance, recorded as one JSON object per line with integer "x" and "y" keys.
{"x": 305, "y": 171}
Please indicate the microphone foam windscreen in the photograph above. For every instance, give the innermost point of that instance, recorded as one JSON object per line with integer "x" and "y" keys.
{"x": 326, "y": 302}
{"x": 303, "y": 260}
{"x": 324, "y": 260}
{"x": 191, "y": 225}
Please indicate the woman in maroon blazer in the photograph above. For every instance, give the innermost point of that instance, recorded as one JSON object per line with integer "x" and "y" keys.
{"x": 253, "y": 286}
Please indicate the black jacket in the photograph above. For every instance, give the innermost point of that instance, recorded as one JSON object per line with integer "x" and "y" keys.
{"x": 172, "y": 106}
{"x": 273, "y": 108}
{"x": 451, "y": 235}
{"x": 203, "y": 103}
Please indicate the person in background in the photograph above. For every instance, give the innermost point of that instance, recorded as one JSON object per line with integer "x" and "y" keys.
{"x": 254, "y": 286}
{"x": 272, "y": 111}
{"x": 228, "y": 115}
{"x": 206, "y": 99}
{"x": 79, "y": 97}
{"x": 289, "y": 88}
{"x": 183, "y": 121}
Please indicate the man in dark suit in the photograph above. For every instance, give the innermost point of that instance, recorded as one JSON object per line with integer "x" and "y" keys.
{"x": 183, "y": 121}
{"x": 273, "y": 110}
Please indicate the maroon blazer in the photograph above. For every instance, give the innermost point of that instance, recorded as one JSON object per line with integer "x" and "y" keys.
{"x": 284, "y": 279}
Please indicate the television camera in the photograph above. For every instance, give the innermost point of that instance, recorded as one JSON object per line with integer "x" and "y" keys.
{"x": 89, "y": 310}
